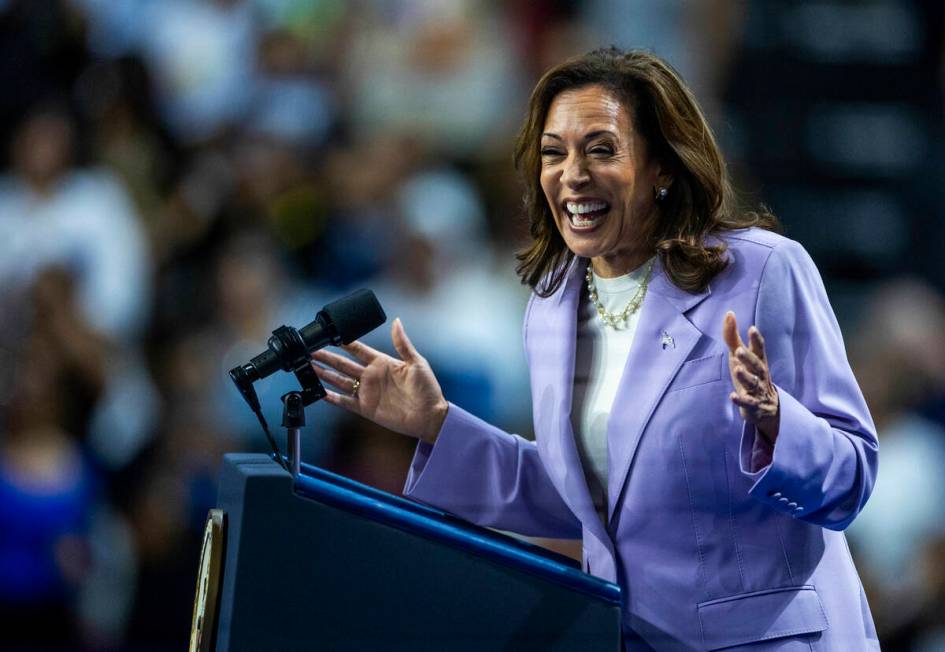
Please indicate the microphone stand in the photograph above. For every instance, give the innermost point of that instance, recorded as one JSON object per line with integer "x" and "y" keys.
{"x": 293, "y": 420}
{"x": 289, "y": 348}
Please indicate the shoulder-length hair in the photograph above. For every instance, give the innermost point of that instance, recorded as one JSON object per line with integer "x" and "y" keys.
{"x": 665, "y": 114}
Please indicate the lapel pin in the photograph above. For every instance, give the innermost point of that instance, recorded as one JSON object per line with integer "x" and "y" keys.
{"x": 668, "y": 342}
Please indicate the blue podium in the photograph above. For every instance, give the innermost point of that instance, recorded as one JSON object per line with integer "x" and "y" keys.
{"x": 320, "y": 562}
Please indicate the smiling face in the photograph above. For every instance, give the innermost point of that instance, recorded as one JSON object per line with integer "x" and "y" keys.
{"x": 598, "y": 179}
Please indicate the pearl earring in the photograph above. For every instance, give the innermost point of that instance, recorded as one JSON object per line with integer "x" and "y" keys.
{"x": 661, "y": 193}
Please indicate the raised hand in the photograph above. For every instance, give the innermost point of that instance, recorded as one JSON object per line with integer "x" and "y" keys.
{"x": 401, "y": 395}
{"x": 755, "y": 394}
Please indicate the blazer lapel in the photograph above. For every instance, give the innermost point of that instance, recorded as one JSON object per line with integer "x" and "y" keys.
{"x": 552, "y": 393}
{"x": 661, "y": 344}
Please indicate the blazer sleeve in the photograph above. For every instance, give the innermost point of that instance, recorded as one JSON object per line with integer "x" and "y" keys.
{"x": 824, "y": 462}
{"x": 489, "y": 477}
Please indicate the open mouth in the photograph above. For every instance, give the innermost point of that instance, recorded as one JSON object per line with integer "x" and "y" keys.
{"x": 586, "y": 215}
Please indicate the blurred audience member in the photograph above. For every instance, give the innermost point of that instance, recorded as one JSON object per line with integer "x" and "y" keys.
{"x": 54, "y": 213}
{"x": 698, "y": 37}
{"x": 442, "y": 72}
{"x": 289, "y": 102}
{"x": 202, "y": 54}
{"x": 167, "y": 506}
{"x": 82, "y": 220}
{"x": 276, "y": 189}
{"x": 461, "y": 305}
{"x": 116, "y": 97}
{"x": 898, "y": 353}
{"x": 42, "y": 51}
{"x": 48, "y": 487}
{"x": 360, "y": 240}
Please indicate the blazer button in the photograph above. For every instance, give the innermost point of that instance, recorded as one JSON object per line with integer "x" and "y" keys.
{"x": 798, "y": 509}
{"x": 792, "y": 505}
{"x": 783, "y": 500}
{"x": 774, "y": 494}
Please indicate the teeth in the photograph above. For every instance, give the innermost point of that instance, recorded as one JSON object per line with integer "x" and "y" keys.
{"x": 577, "y": 221}
{"x": 585, "y": 207}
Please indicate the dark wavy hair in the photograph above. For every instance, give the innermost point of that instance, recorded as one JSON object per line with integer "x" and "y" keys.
{"x": 665, "y": 114}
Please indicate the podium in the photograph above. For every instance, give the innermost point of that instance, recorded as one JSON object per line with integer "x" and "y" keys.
{"x": 320, "y": 562}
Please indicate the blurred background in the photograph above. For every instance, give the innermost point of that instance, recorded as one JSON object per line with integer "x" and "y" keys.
{"x": 180, "y": 177}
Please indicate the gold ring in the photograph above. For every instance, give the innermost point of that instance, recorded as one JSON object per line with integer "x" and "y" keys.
{"x": 355, "y": 386}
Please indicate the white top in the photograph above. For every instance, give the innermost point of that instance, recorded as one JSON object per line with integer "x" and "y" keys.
{"x": 87, "y": 224}
{"x": 600, "y": 358}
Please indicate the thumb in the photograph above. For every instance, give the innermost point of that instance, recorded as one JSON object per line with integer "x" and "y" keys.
{"x": 730, "y": 332}
{"x": 402, "y": 343}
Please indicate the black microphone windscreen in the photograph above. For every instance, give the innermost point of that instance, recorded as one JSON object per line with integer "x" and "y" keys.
{"x": 355, "y": 315}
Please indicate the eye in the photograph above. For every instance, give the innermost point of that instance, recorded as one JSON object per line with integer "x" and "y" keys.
{"x": 603, "y": 150}
{"x": 551, "y": 151}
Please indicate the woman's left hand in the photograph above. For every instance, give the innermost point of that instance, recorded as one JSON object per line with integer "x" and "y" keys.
{"x": 755, "y": 394}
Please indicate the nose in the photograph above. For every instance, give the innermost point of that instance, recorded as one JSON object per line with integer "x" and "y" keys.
{"x": 575, "y": 173}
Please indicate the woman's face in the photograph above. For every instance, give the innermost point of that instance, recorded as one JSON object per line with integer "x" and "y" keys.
{"x": 598, "y": 180}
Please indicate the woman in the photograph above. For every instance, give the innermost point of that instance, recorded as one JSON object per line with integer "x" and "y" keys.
{"x": 707, "y": 473}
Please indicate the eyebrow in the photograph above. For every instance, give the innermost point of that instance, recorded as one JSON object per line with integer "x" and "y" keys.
{"x": 593, "y": 134}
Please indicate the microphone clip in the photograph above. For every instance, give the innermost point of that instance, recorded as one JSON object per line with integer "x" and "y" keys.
{"x": 287, "y": 345}
{"x": 286, "y": 342}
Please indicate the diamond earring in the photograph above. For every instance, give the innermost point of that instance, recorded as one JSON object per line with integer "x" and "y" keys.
{"x": 660, "y": 193}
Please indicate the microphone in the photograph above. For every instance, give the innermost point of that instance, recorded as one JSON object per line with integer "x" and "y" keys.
{"x": 339, "y": 322}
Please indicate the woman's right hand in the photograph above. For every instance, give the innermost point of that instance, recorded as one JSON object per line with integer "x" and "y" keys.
{"x": 401, "y": 395}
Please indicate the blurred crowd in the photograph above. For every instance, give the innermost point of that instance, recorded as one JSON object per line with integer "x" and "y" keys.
{"x": 180, "y": 177}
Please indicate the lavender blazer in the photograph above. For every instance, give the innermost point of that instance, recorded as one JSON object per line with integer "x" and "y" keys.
{"x": 716, "y": 540}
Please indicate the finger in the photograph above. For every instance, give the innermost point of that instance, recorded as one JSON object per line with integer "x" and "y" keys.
{"x": 343, "y": 400}
{"x": 333, "y": 378}
{"x": 745, "y": 401}
{"x": 402, "y": 343}
{"x": 750, "y": 381}
{"x": 362, "y": 352}
{"x": 751, "y": 362}
{"x": 730, "y": 332}
{"x": 339, "y": 362}
{"x": 756, "y": 342}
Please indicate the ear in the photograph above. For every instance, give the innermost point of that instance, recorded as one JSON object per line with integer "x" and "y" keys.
{"x": 662, "y": 182}
{"x": 664, "y": 176}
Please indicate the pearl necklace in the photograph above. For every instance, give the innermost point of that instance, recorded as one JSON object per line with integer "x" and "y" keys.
{"x": 613, "y": 319}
